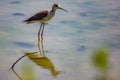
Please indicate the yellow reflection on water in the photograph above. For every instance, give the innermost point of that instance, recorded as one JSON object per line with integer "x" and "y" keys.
{"x": 44, "y": 62}
{"x": 28, "y": 72}
{"x": 40, "y": 60}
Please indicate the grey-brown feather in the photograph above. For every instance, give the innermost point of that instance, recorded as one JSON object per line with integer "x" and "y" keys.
{"x": 38, "y": 16}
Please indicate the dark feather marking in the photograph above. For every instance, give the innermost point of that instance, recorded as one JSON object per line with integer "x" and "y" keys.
{"x": 38, "y": 16}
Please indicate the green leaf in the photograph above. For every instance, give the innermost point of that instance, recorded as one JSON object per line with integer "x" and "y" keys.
{"x": 100, "y": 58}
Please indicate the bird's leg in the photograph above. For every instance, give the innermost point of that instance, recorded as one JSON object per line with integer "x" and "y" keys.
{"x": 42, "y": 31}
{"x": 39, "y": 38}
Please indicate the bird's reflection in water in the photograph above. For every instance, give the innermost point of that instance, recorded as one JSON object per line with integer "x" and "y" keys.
{"x": 41, "y": 60}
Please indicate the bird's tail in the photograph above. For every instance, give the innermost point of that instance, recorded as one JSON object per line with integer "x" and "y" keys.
{"x": 26, "y": 21}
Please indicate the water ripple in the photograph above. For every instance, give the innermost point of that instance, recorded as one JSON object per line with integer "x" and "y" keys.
{"x": 15, "y": 2}
{"x": 81, "y": 48}
{"x": 18, "y": 14}
{"x": 23, "y": 44}
{"x": 115, "y": 42}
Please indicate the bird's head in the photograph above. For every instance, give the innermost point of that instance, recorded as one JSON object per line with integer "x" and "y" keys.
{"x": 57, "y": 6}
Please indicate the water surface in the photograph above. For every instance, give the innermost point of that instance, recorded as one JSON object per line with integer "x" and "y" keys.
{"x": 69, "y": 38}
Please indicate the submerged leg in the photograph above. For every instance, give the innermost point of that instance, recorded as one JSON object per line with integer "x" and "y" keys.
{"x": 39, "y": 37}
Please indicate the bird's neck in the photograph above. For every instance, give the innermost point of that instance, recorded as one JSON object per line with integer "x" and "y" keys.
{"x": 53, "y": 9}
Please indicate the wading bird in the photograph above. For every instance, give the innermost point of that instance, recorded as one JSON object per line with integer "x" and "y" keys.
{"x": 43, "y": 17}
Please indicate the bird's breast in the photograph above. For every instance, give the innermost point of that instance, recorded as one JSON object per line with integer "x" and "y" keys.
{"x": 48, "y": 17}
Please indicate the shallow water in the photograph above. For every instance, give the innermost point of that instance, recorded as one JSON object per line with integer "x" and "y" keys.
{"x": 69, "y": 38}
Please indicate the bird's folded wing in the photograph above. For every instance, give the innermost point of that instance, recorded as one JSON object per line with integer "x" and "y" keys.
{"x": 38, "y": 16}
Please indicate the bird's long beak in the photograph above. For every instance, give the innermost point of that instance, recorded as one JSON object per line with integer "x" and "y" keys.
{"x": 62, "y": 9}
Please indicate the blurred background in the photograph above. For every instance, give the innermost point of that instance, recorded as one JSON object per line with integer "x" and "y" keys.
{"x": 82, "y": 44}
